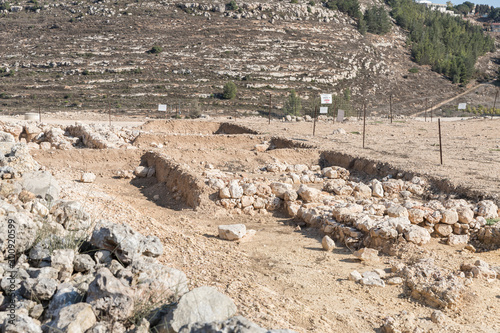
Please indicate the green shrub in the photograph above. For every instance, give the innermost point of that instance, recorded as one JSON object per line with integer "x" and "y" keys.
{"x": 232, "y": 5}
{"x": 312, "y": 3}
{"x": 293, "y": 105}
{"x": 413, "y": 70}
{"x": 229, "y": 90}
{"x": 156, "y": 49}
{"x": 5, "y": 6}
{"x": 492, "y": 221}
{"x": 294, "y": 1}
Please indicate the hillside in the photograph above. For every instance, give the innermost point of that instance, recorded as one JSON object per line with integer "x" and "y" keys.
{"x": 93, "y": 55}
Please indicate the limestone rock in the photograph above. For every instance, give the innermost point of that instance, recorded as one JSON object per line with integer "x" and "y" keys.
{"x": 124, "y": 242}
{"x": 367, "y": 254}
{"x": 308, "y": 194}
{"x": 87, "y": 177}
{"x": 232, "y": 231}
{"x": 107, "y": 294}
{"x": 75, "y": 318}
{"x": 458, "y": 239}
{"x": 200, "y": 305}
{"x": 417, "y": 235}
{"x": 443, "y": 230}
{"x": 449, "y": 216}
{"x": 42, "y": 184}
{"x": 487, "y": 209}
{"x": 328, "y": 243}
{"x": 62, "y": 260}
{"x": 235, "y": 189}
{"x": 22, "y": 324}
{"x": 279, "y": 189}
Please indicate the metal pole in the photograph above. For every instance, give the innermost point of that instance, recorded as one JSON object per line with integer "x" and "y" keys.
{"x": 390, "y": 106}
{"x": 270, "y": 107}
{"x": 431, "y": 111}
{"x": 364, "y": 123}
{"x": 494, "y": 105}
{"x": 39, "y": 114}
{"x": 109, "y": 114}
{"x": 440, "y": 142}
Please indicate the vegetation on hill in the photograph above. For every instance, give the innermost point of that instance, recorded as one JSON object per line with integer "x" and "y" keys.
{"x": 449, "y": 44}
{"x": 293, "y": 105}
{"x": 350, "y": 7}
{"x": 376, "y": 21}
{"x": 229, "y": 90}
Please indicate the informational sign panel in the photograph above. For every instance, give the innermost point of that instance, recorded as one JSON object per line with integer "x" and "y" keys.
{"x": 462, "y": 106}
{"x": 323, "y": 109}
{"x": 162, "y": 107}
{"x": 340, "y": 116}
{"x": 326, "y": 99}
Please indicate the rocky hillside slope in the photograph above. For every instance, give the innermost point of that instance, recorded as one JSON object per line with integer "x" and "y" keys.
{"x": 94, "y": 55}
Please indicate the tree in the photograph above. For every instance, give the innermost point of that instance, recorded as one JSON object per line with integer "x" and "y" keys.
{"x": 293, "y": 105}
{"x": 229, "y": 90}
{"x": 350, "y": 7}
{"x": 377, "y": 20}
{"x": 362, "y": 27}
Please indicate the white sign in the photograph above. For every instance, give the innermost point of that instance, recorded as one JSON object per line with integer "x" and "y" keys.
{"x": 162, "y": 107}
{"x": 462, "y": 106}
{"x": 340, "y": 116}
{"x": 323, "y": 109}
{"x": 326, "y": 99}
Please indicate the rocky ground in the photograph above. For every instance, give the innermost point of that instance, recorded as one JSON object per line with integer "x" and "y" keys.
{"x": 426, "y": 260}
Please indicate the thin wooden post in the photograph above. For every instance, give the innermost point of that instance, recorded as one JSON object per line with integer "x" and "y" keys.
{"x": 364, "y": 123}
{"x": 425, "y": 111}
{"x": 440, "y": 142}
{"x": 270, "y": 107}
{"x": 39, "y": 114}
{"x": 314, "y": 122}
{"x": 390, "y": 106}
{"x": 494, "y": 104}
{"x": 334, "y": 111}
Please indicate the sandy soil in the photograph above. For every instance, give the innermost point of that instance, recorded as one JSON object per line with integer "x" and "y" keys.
{"x": 281, "y": 278}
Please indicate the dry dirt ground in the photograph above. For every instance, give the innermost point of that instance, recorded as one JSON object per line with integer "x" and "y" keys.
{"x": 281, "y": 278}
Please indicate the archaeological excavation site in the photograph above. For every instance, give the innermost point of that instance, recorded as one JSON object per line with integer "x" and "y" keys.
{"x": 243, "y": 225}
{"x": 249, "y": 167}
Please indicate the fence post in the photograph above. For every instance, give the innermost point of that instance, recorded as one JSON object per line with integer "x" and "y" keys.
{"x": 390, "y": 106}
{"x": 440, "y": 142}
{"x": 364, "y": 123}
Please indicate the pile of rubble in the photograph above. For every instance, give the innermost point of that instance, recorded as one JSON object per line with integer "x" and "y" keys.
{"x": 377, "y": 214}
{"x": 44, "y": 136}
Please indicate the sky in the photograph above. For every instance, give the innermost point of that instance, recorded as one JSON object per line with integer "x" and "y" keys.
{"x": 495, "y": 3}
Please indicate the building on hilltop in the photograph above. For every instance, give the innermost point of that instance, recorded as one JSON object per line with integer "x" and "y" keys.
{"x": 437, "y": 7}
{"x": 495, "y": 27}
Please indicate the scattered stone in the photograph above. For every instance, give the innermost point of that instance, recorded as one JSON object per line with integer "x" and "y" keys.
{"x": 367, "y": 254}
{"x": 394, "y": 281}
{"x": 232, "y": 231}
{"x": 87, "y": 177}
{"x": 328, "y": 244}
